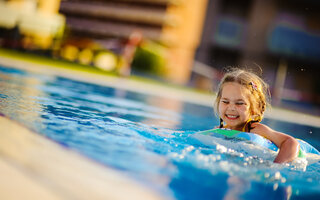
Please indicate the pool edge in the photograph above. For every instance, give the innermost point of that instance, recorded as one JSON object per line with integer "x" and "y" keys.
{"x": 34, "y": 166}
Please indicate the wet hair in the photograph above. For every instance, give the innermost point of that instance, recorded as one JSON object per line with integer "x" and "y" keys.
{"x": 258, "y": 90}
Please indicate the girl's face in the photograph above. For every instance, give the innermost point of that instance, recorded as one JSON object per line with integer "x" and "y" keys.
{"x": 234, "y": 105}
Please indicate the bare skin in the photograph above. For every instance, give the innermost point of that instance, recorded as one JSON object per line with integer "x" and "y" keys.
{"x": 288, "y": 146}
{"x": 234, "y": 106}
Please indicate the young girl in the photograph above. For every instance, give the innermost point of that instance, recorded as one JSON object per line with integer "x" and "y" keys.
{"x": 241, "y": 101}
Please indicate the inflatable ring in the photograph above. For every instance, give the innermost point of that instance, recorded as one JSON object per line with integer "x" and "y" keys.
{"x": 254, "y": 138}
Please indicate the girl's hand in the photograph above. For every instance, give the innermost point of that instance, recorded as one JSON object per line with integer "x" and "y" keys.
{"x": 259, "y": 129}
{"x": 288, "y": 146}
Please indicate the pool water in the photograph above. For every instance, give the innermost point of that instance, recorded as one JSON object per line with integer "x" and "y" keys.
{"x": 149, "y": 138}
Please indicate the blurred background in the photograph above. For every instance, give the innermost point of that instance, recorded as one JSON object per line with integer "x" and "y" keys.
{"x": 184, "y": 42}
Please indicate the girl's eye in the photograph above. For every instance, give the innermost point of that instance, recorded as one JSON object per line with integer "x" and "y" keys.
{"x": 225, "y": 102}
{"x": 240, "y": 103}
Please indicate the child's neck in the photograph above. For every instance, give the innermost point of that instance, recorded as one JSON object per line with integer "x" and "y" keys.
{"x": 241, "y": 127}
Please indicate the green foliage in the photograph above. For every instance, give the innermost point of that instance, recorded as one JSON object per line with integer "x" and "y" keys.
{"x": 150, "y": 57}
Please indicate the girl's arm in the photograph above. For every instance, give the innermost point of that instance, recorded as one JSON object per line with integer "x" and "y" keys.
{"x": 288, "y": 146}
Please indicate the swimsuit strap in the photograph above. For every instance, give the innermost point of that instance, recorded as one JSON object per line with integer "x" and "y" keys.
{"x": 221, "y": 123}
{"x": 249, "y": 123}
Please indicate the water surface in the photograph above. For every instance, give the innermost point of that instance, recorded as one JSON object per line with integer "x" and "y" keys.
{"x": 150, "y": 139}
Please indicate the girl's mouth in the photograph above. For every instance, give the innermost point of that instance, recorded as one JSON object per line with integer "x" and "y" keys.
{"x": 232, "y": 117}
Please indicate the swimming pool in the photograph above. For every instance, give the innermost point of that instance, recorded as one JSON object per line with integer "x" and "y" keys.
{"x": 148, "y": 137}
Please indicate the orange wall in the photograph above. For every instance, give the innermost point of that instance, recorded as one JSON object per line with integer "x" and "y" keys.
{"x": 183, "y": 37}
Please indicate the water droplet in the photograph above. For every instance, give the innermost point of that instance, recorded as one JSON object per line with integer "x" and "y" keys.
{"x": 190, "y": 148}
{"x": 266, "y": 175}
{"x": 275, "y": 186}
{"x": 221, "y": 148}
{"x": 277, "y": 175}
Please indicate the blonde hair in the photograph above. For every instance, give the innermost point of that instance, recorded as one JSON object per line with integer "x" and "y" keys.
{"x": 259, "y": 91}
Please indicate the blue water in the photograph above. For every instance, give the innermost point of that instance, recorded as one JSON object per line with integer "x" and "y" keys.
{"x": 149, "y": 138}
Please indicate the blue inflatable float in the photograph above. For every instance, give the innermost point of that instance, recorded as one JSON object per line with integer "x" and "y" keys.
{"x": 305, "y": 148}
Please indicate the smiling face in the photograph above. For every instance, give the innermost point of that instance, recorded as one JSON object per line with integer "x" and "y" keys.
{"x": 234, "y": 105}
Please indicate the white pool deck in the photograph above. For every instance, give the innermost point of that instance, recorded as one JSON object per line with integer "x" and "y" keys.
{"x": 34, "y": 167}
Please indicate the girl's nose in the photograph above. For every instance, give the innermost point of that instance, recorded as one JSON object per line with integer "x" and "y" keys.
{"x": 231, "y": 107}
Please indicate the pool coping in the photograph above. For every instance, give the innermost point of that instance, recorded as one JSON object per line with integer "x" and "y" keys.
{"x": 34, "y": 167}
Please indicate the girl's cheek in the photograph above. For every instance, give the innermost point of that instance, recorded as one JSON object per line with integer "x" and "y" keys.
{"x": 220, "y": 109}
{"x": 244, "y": 108}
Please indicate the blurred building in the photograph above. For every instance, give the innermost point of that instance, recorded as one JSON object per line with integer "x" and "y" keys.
{"x": 280, "y": 37}
{"x": 200, "y": 36}
{"x": 103, "y": 33}
{"x": 175, "y": 24}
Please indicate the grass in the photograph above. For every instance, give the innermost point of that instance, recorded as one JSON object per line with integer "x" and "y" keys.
{"x": 49, "y": 61}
